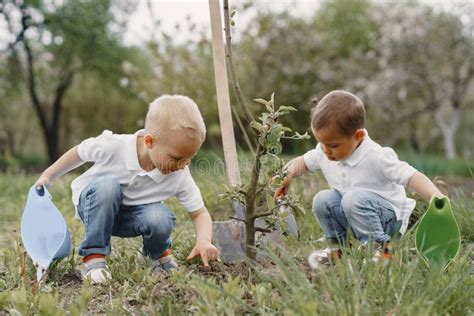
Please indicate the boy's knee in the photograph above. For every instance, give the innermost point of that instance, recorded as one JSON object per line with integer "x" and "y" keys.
{"x": 160, "y": 223}
{"x": 322, "y": 201}
{"x": 353, "y": 201}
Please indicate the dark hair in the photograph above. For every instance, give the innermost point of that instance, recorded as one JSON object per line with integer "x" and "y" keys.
{"x": 338, "y": 109}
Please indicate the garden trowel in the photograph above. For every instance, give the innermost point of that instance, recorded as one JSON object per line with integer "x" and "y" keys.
{"x": 437, "y": 237}
{"x": 289, "y": 219}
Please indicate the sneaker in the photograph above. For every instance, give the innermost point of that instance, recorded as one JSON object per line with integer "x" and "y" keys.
{"x": 383, "y": 252}
{"x": 168, "y": 262}
{"x": 96, "y": 271}
{"x": 325, "y": 256}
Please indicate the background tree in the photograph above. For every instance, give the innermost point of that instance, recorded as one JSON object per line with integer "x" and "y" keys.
{"x": 53, "y": 43}
{"x": 426, "y": 67}
{"x": 410, "y": 63}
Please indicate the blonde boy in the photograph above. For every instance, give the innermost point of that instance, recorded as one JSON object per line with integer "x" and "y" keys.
{"x": 366, "y": 180}
{"x": 122, "y": 194}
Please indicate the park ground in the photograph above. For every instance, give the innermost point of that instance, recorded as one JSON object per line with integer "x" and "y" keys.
{"x": 281, "y": 284}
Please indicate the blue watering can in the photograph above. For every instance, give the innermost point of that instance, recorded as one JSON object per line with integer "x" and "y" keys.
{"x": 43, "y": 230}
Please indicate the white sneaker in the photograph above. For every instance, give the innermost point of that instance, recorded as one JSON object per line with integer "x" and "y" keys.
{"x": 166, "y": 263}
{"x": 325, "y": 256}
{"x": 96, "y": 271}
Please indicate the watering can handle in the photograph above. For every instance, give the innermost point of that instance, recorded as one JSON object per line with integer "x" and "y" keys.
{"x": 42, "y": 191}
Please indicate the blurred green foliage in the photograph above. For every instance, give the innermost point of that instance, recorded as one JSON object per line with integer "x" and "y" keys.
{"x": 411, "y": 64}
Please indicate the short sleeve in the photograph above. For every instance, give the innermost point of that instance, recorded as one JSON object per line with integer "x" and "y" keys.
{"x": 94, "y": 149}
{"x": 393, "y": 169}
{"x": 188, "y": 194}
{"x": 311, "y": 159}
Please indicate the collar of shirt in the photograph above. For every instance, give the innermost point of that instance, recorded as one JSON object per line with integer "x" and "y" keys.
{"x": 359, "y": 153}
{"x": 131, "y": 160}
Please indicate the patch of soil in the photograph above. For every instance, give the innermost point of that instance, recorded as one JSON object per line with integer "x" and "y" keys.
{"x": 166, "y": 287}
{"x": 70, "y": 285}
{"x": 222, "y": 270}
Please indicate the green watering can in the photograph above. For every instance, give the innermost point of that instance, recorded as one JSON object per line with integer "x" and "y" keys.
{"x": 437, "y": 237}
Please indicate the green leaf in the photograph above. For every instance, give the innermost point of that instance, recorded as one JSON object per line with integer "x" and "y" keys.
{"x": 274, "y": 148}
{"x": 287, "y": 108}
{"x": 304, "y": 136}
{"x": 270, "y": 201}
{"x": 275, "y": 135}
{"x": 269, "y": 106}
{"x": 299, "y": 208}
{"x": 256, "y": 125}
{"x": 271, "y": 103}
{"x": 262, "y": 101}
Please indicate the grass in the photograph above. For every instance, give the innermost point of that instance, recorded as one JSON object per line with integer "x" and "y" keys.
{"x": 433, "y": 165}
{"x": 281, "y": 285}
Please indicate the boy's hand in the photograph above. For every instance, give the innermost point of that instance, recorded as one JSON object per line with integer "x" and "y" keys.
{"x": 283, "y": 190}
{"x": 42, "y": 181}
{"x": 206, "y": 250}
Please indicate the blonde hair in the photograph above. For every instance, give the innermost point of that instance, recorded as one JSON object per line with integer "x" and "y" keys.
{"x": 338, "y": 109}
{"x": 170, "y": 113}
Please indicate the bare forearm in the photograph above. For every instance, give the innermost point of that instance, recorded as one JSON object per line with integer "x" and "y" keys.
{"x": 202, "y": 223}
{"x": 297, "y": 167}
{"x": 423, "y": 186}
{"x": 67, "y": 162}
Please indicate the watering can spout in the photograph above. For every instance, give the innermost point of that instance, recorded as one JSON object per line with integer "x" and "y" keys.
{"x": 439, "y": 203}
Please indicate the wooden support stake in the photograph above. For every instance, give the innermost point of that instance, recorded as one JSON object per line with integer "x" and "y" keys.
{"x": 223, "y": 100}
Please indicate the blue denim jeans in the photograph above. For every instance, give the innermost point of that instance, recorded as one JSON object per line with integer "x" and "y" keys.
{"x": 367, "y": 214}
{"x": 103, "y": 215}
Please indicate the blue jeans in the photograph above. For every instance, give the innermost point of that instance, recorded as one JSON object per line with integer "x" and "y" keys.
{"x": 370, "y": 217}
{"x": 103, "y": 215}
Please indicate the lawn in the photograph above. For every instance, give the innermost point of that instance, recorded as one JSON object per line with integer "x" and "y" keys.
{"x": 282, "y": 284}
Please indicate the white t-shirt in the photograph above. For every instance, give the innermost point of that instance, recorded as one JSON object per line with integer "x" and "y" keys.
{"x": 116, "y": 155}
{"x": 372, "y": 168}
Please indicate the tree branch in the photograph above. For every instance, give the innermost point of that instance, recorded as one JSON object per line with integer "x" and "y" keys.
{"x": 238, "y": 219}
{"x": 255, "y": 216}
{"x": 32, "y": 86}
{"x": 244, "y": 133}
{"x": 230, "y": 63}
{"x": 270, "y": 212}
{"x": 60, "y": 91}
{"x": 262, "y": 229}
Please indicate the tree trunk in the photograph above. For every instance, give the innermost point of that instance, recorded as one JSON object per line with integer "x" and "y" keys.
{"x": 449, "y": 132}
{"x": 250, "y": 249}
{"x": 50, "y": 131}
{"x": 52, "y": 144}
